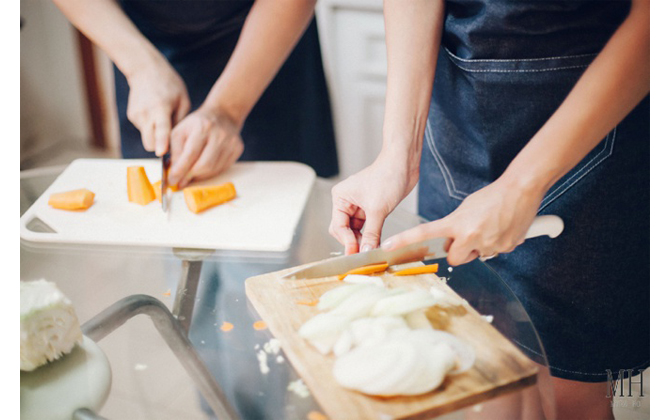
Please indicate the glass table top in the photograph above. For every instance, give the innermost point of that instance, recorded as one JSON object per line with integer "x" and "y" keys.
{"x": 149, "y": 382}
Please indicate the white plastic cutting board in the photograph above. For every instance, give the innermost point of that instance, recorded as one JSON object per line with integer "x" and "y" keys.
{"x": 263, "y": 217}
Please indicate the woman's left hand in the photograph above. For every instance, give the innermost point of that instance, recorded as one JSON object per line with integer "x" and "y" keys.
{"x": 204, "y": 144}
{"x": 491, "y": 221}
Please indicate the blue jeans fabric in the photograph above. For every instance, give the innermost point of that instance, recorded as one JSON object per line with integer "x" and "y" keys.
{"x": 587, "y": 291}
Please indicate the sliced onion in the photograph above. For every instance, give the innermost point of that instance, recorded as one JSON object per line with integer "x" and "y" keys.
{"x": 335, "y": 296}
{"x": 403, "y": 303}
{"x": 361, "y": 279}
{"x": 418, "y": 320}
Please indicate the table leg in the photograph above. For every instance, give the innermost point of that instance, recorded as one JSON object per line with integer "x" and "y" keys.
{"x": 170, "y": 329}
{"x": 191, "y": 265}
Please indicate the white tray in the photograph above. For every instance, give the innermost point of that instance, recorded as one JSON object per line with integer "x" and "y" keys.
{"x": 264, "y": 216}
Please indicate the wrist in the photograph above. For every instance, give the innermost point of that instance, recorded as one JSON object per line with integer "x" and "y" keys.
{"x": 234, "y": 113}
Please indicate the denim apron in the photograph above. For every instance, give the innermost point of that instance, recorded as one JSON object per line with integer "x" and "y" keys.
{"x": 292, "y": 119}
{"x": 503, "y": 69}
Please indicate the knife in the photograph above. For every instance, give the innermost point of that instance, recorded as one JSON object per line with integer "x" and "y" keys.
{"x": 165, "y": 161}
{"x": 429, "y": 249}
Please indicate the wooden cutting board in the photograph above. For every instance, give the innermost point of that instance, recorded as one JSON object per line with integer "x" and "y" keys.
{"x": 499, "y": 368}
{"x": 263, "y": 217}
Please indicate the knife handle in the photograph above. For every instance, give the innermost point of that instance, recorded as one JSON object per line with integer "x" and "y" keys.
{"x": 549, "y": 225}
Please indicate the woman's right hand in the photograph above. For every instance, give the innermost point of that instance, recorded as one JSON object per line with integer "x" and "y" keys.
{"x": 362, "y": 202}
{"x": 157, "y": 101}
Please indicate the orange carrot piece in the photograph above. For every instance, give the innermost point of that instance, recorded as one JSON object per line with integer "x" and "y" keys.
{"x": 168, "y": 292}
{"x": 80, "y": 199}
{"x": 157, "y": 190}
{"x": 367, "y": 269}
{"x": 202, "y": 198}
{"x": 227, "y": 326}
{"x": 308, "y": 302}
{"x": 140, "y": 190}
{"x": 315, "y": 415}
{"x": 260, "y": 325}
{"x": 424, "y": 269}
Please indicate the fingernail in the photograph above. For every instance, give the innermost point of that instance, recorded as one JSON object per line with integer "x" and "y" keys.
{"x": 366, "y": 248}
{"x": 387, "y": 244}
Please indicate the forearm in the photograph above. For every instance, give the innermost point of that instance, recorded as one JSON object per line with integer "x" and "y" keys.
{"x": 608, "y": 90}
{"x": 105, "y": 23}
{"x": 413, "y": 33}
{"x": 270, "y": 32}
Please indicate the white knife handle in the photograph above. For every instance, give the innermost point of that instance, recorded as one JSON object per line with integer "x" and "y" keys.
{"x": 549, "y": 225}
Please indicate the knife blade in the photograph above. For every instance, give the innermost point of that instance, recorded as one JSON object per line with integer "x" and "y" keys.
{"x": 549, "y": 225}
{"x": 165, "y": 163}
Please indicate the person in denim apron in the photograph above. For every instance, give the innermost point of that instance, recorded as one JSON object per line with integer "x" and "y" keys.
{"x": 534, "y": 107}
{"x": 270, "y": 103}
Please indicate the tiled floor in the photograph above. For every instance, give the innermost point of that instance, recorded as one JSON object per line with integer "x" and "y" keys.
{"x": 148, "y": 380}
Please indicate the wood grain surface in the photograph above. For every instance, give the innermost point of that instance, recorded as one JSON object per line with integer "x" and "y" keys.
{"x": 499, "y": 368}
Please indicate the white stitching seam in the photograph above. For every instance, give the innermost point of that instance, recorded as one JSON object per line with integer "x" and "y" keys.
{"x": 448, "y": 180}
{"x": 607, "y": 150}
{"x": 521, "y": 71}
{"x": 480, "y": 60}
{"x": 573, "y": 371}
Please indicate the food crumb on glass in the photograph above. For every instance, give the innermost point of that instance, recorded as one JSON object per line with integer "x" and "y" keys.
{"x": 260, "y": 325}
{"x": 227, "y": 326}
{"x": 299, "y": 388}
{"x": 263, "y": 361}
{"x": 168, "y": 292}
{"x": 272, "y": 346}
{"x": 140, "y": 366}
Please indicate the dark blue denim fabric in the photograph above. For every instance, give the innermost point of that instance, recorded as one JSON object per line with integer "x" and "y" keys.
{"x": 291, "y": 121}
{"x": 587, "y": 291}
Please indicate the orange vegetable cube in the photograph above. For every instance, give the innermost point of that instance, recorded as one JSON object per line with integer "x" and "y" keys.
{"x": 140, "y": 190}
{"x": 199, "y": 199}
{"x": 80, "y": 199}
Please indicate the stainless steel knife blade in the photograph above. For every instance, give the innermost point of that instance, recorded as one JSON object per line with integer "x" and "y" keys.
{"x": 419, "y": 251}
{"x": 165, "y": 162}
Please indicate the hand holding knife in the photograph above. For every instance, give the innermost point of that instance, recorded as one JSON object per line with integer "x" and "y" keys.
{"x": 429, "y": 249}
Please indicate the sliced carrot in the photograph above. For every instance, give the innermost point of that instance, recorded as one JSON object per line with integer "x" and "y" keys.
{"x": 157, "y": 190}
{"x": 315, "y": 415}
{"x": 168, "y": 292}
{"x": 260, "y": 325}
{"x": 308, "y": 302}
{"x": 367, "y": 269}
{"x": 227, "y": 326}
{"x": 424, "y": 269}
{"x": 140, "y": 190}
{"x": 80, "y": 199}
{"x": 201, "y": 198}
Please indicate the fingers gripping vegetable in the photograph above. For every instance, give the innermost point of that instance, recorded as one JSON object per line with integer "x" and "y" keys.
{"x": 80, "y": 199}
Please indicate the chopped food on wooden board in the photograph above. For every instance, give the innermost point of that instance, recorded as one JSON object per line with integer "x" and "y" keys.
{"x": 367, "y": 269}
{"x": 199, "y": 199}
{"x": 49, "y": 325}
{"x": 413, "y": 271}
{"x": 140, "y": 190}
{"x": 80, "y": 199}
{"x": 308, "y": 302}
{"x": 383, "y": 342}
